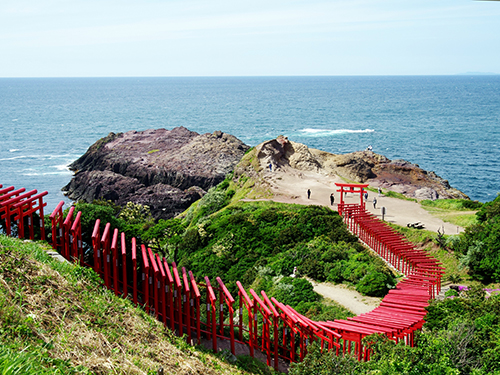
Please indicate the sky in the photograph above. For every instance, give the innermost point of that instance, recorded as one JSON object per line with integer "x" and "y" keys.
{"x": 121, "y": 38}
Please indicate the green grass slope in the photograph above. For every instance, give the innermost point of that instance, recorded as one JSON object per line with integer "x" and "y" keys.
{"x": 57, "y": 318}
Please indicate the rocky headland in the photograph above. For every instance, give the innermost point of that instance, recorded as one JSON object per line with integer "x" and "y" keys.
{"x": 399, "y": 176}
{"x": 168, "y": 170}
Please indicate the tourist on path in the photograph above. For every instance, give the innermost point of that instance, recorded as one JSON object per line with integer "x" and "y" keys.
{"x": 332, "y": 199}
{"x": 270, "y": 167}
{"x": 308, "y": 193}
{"x": 374, "y": 202}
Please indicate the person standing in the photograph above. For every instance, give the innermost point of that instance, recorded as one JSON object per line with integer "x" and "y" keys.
{"x": 374, "y": 202}
{"x": 366, "y": 196}
{"x": 270, "y": 167}
{"x": 332, "y": 199}
{"x": 308, "y": 193}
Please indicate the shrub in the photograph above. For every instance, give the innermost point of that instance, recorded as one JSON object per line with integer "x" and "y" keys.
{"x": 313, "y": 268}
{"x": 325, "y": 363}
{"x": 135, "y": 213}
{"x": 292, "y": 291}
{"x": 103, "y": 210}
{"x": 335, "y": 273}
{"x": 451, "y": 293}
{"x": 489, "y": 210}
{"x": 191, "y": 242}
{"x": 375, "y": 284}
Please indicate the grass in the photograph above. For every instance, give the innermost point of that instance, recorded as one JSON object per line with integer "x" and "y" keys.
{"x": 456, "y": 211}
{"x": 426, "y": 239}
{"x": 57, "y": 317}
{"x": 393, "y": 194}
{"x": 33, "y": 363}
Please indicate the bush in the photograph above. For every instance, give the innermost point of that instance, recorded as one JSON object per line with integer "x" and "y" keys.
{"x": 451, "y": 293}
{"x": 489, "y": 210}
{"x": 335, "y": 273}
{"x": 292, "y": 291}
{"x": 313, "y": 268}
{"x": 326, "y": 363}
{"x": 375, "y": 284}
{"x": 480, "y": 244}
{"x": 103, "y": 210}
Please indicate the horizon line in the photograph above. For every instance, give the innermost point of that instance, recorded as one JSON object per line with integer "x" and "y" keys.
{"x": 268, "y": 76}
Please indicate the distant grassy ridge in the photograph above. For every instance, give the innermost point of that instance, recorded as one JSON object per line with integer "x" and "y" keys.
{"x": 57, "y": 318}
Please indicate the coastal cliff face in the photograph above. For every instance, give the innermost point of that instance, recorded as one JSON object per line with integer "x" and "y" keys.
{"x": 164, "y": 169}
{"x": 362, "y": 166}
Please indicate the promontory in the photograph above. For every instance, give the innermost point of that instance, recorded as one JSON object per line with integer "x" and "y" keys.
{"x": 168, "y": 170}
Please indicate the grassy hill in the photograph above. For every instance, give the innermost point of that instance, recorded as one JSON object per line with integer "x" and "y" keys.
{"x": 57, "y": 318}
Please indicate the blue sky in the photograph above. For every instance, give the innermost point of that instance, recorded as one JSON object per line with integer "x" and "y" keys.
{"x": 93, "y": 38}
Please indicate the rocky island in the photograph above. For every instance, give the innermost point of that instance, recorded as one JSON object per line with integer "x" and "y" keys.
{"x": 168, "y": 170}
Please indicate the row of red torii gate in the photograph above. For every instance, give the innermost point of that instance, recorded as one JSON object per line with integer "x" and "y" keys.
{"x": 205, "y": 311}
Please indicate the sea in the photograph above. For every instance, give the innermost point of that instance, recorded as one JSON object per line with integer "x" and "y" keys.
{"x": 446, "y": 124}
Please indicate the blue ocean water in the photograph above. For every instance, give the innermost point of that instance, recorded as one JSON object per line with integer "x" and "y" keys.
{"x": 446, "y": 124}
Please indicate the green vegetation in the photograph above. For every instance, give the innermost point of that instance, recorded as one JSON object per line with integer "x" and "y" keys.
{"x": 57, "y": 318}
{"x": 33, "y": 362}
{"x": 461, "y": 336}
{"x": 479, "y": 246}
{"x": 298, "y": 292}
{"x": 234, "y": 242}
{"x": 453, "y": 204}
{"x": 153, "y": 151}
{"x": 257, "y": 243}
{"x": 460, "y": 212}
{"x": 387, "y": 193}
{"x": 462, "y": 331}
{"x": 393, "y": 194}
{"x": 439, "y": 249}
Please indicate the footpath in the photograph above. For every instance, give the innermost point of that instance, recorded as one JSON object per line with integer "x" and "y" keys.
{"x": 290, "y": 186}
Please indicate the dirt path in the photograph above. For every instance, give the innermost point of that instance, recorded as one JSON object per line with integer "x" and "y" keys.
{"x": 347, "y": 297}
{"x": 290, "y": 186}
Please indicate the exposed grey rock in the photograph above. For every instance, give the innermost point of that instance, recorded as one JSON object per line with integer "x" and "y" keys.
{"x": 399, "y": 176}
{"x": 426, "y": 193}
{"x": 164, "y": 169}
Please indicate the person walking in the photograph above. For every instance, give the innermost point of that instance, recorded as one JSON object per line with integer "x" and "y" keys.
{"x": 366, "y": 196}
{"x": 308, "y": 193}
{"x": 332, "y": 199}
{"x": 374, "y": 202}
{"x": 270, "y": 167}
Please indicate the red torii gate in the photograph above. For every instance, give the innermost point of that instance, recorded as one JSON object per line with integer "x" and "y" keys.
{"x": 350, "y": 188}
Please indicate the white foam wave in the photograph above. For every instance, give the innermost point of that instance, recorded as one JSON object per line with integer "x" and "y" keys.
{"x": 13, "y": 158}
{"x": 66, "y": 172}
{"x": 43, "y": 157}
{"x": 62, "y": 167}
{"x": 14, "y": 150}
{"x": 308, "y": 132}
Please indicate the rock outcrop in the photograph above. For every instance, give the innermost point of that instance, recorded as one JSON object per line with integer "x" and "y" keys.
{"x": 363, "y": 167}
{"x": 164, "y": 169}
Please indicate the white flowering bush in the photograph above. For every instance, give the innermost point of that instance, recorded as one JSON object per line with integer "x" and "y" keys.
{"x": 135, "y": 213}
